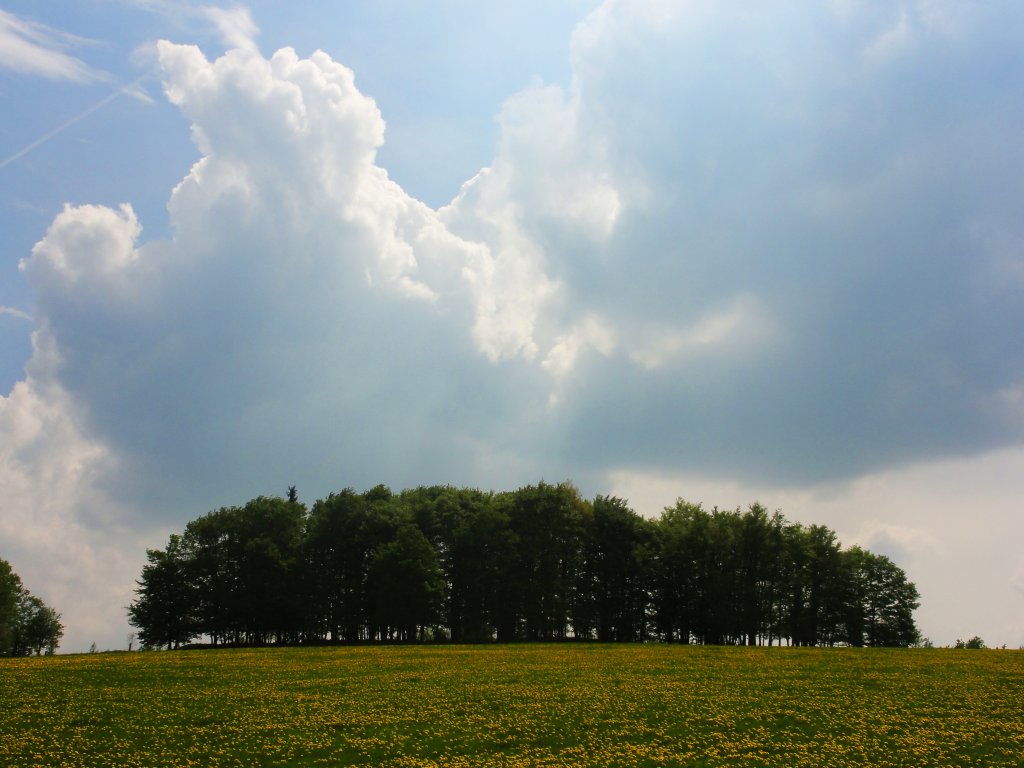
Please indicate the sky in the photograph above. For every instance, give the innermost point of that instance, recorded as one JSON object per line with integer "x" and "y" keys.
{"x": 731, "y": 253}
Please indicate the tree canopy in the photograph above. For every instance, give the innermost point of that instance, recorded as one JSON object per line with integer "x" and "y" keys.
{"x": 27, "y": 624}
{"x": 537, "y": 563}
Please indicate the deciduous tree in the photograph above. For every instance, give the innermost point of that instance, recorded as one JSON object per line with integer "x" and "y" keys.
{"x": 27, "y": 624}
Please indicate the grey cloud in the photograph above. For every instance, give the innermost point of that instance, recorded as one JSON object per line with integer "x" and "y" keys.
{"x": 778, "y": 247}
{"x": 787, "y": 244}
{"x": 845, "y": 198}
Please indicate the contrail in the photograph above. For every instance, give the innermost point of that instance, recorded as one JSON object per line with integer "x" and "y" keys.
{"x": 68, "y": 123}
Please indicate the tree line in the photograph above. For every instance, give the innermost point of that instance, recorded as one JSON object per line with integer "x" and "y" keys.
{"x": 27, "y": 624}
{"x": 540, "y": 563}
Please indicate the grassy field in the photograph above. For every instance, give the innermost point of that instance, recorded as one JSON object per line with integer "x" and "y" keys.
{"x": 524, "y": 705}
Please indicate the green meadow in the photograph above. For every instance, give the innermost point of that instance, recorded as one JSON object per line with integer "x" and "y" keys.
{"x": 516, "y": 705}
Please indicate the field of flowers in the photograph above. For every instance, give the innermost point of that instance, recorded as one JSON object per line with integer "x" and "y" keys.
{"x": 522, "y": 705}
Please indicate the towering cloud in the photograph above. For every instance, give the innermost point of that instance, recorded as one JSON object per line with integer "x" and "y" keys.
{"x": 781, "y": 246}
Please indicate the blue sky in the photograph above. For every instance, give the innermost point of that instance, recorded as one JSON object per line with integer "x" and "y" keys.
{"x": 661, "y": 249}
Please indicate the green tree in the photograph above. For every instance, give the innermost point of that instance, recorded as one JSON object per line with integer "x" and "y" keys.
{"x": 164, "y": 608}
{"x": 38, "y": 627}
{"x": 244, "y": 565}
{"x": 682, "y": 541}
{"x": 756, "y": 576}
{"x": 406, "y": 585}
{"x": 10, "y": 595}
{"x": 814, "y": 592}
{"x": 538, "y": 563}
{"x": 343, "y": 533}
{"x": 546, "y": 520}
{"x": 975, "y": 643}
{"x": 719, "y": 572}
{"x": 476, "y": 548}
{"x": 891, "y": 604}
{"x": 617, "y": 566}
{"x": 269, "y": 538}
{"x": 208, "y": 551}
{"x": 27, "y": 624}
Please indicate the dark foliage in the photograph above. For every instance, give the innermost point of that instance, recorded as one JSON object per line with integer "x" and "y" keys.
{"x": 27, "y": 624}
{"x": 538, "y": 563}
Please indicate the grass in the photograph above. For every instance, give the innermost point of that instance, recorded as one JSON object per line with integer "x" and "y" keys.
{"x": 522, "y": 705}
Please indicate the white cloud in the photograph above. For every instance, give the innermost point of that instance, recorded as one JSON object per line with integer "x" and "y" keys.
{"x": 549, "y": 183}
{"x": 233, "y": 24}
{"x": 30, "y": 48}
{"x": 72, "y": 545}
{"x": 87, "y": 248}
{"x": 726, "y": 249}
{"x": 591, "y": 332}
{"x": 548, "y": 160}
{"x": 15, "y": 312}
{"x": 1004, "y": 249}
{"x": 248, "y": 321}
{"x": 320, "y": 177}
{"x": 561, "y": 361}
{"x": 734, "y": 330}
{"x": 900, "y": 543}
{"x": 950, "y": 18}
{"x": 273, "y": 230}
{"x": 236, "y": 27}
{"x": 891, "y": 41}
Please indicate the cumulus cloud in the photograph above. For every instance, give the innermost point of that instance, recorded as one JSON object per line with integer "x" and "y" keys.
{"x": 252, "y": 334}
{"x": 72, "y": 545}
{"x": 735, "y": 244}
{"x": 301, "y": 300}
